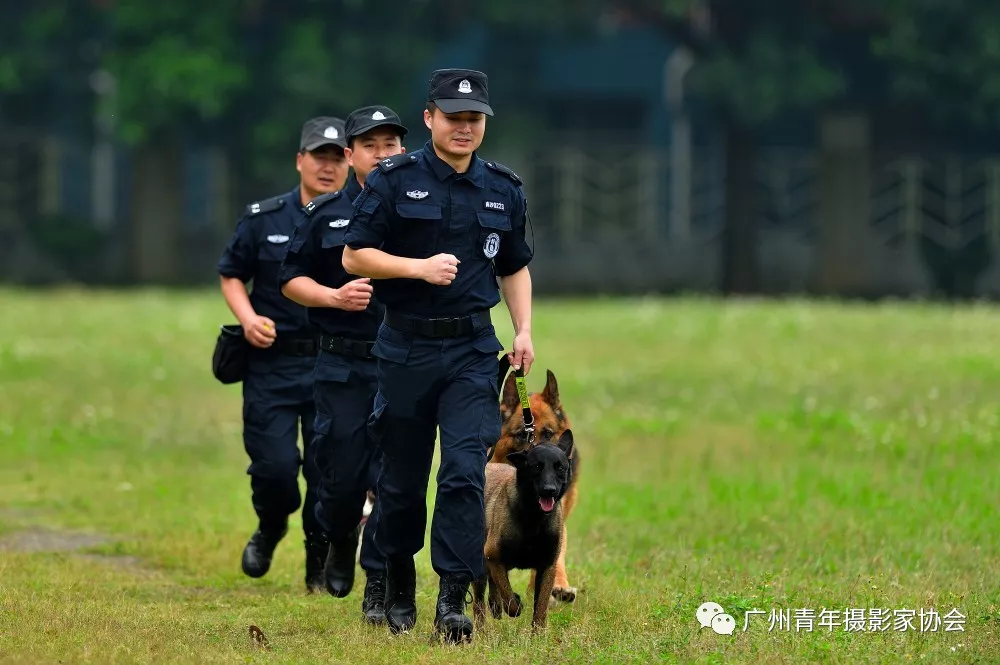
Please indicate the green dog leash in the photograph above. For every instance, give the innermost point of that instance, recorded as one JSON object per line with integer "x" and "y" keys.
{"x": 522, "y": 393}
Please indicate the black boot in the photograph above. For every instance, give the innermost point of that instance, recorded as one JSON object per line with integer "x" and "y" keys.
{"x": 400, "y": 594}
{"x": 259, "y": 551}
{"x": 450, "y": 619}
{"x": 339, "y": 571}
{"x": 317, "y": 547}
{"x": 374, "y": 603}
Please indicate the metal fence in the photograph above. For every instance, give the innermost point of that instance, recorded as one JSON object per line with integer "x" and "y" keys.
{"x": 930, "y": 223}
{"x": 626, "y": 219}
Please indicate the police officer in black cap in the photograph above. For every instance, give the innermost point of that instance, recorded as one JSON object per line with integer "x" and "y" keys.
{"x": 277, "y": 388}
{"x": 435, "y": 229}
{"x": 373, "y": 134}
{"x": 341, "y": 307}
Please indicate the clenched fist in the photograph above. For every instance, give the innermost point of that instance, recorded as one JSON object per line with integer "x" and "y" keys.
{"x": 440, "y": 269}
{"x": 353, "y": 296}
{"x": 260, "y": 332}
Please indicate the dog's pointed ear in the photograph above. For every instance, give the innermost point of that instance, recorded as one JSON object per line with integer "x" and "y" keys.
{"x": 551, "y": 392}
{"x": 511, "y": 400}
{"x": 566, "y": 443}
{"x": 517, "y": 458}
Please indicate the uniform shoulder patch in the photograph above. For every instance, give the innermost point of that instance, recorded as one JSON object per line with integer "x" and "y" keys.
{"x": 267, "y": 205}
{"x": 500, "y": 168}
{"x": 402, "y": 159}
{"x": 320, "y": 201}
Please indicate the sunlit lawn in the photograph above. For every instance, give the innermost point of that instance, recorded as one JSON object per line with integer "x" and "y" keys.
{"x": 778, "y": 456}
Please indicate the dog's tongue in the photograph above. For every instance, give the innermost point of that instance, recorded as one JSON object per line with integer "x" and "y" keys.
{"x": 547, "y": 504}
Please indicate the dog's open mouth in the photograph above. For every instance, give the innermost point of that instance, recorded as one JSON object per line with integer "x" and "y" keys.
{"x": 547, "y": 504}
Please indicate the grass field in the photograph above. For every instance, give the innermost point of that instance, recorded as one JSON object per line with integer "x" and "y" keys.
{"x": 778, "y": 456}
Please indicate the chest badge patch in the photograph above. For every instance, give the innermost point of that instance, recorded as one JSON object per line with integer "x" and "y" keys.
{"x": 277, "y": 239}
{"x": 417, "y": 194}
{"x": 495, "y": 205}
{"x": 339, "y": 223}
{"x": 492, "y": 245}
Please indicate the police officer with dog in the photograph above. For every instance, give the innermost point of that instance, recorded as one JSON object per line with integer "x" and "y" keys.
{"x": 341, "y": 307}
{"x": 277, "y": 385}
{"x": 435, "y": 229}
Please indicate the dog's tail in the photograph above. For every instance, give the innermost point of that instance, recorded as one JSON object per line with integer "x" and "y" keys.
{"x": 502, "y": 375}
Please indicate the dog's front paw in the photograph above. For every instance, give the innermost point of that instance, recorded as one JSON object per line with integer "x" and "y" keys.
{"x": 564, "y": 594}
{"x": 496, "y": 607}
{"x": 479, "y": 615}
{"x": 514, "y": 606}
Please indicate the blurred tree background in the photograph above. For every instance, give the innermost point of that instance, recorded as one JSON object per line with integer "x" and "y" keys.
{"x": 847, "y": 80}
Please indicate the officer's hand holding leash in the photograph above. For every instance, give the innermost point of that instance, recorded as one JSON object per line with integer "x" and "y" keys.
{"x": 523, "y": 353}
{"x": 441, "y": 269}
{"x": 353, "y": 296}
{"x": 259, "y": 331}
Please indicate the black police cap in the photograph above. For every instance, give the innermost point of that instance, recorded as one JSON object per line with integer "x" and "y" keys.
{"x": 368, "y": 118}
{"x": 321, "y": 131}
{"x": 457, "y": 90}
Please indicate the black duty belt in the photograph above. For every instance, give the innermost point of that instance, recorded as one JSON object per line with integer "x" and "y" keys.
{"x": 456, "y": 326}
{"x": 297, "y": 346}
{"x": 347, "y": 347}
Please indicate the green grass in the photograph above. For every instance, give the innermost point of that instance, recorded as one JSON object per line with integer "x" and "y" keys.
{"x": 759, "y": 455}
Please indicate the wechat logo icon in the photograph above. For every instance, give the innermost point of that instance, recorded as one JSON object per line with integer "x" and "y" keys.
{"x": 711, "y": 615}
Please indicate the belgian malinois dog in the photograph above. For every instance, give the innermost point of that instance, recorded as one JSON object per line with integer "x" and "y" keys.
{"x": 524, "y": 527}
{"x": 550, "y": 422}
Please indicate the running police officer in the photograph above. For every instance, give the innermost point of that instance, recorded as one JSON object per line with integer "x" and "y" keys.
{"x": 277, "y": 389}
{"x": 435, "y": 229}
{"x": 342, "y": 308}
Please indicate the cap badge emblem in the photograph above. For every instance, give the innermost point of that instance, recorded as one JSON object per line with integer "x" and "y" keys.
{"x": 465, "y": 86}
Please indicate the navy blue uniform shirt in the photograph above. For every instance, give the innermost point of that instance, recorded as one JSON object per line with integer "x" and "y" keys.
{"x": 254, "y": 253}
{"x": 415, "y": 205}
{"x": 352, "y": 188}
{"x": 316, "y": 251}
